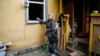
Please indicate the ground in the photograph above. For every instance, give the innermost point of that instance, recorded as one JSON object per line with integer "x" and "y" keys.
{"x": 37, "y": 52}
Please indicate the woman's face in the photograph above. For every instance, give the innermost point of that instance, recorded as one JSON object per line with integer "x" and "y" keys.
{"x": 50, "y": 16}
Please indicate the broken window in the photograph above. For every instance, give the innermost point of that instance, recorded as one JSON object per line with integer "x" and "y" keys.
{"x": 35, "y": 8}
{"x": 37, "y": 0}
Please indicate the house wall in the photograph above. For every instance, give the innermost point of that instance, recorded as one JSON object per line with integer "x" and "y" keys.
{"x": 13, "y": 27}
{"x": 54, "y": 7}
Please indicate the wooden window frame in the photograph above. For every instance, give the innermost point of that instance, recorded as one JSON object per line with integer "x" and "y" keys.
{"x": 27, "y": 2}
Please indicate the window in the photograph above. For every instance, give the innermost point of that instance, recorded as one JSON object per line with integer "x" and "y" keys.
{"x": 37, "y": 0}
{"x": 35, "y": 8}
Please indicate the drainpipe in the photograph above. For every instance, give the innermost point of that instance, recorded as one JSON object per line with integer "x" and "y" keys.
{"x": 61, "y": 11}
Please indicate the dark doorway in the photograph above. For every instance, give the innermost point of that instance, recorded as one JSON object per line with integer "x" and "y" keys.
{"x": 78, "y": 15}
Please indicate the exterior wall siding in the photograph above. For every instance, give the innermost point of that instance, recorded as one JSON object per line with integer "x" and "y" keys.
{"x": 13, "y": 27}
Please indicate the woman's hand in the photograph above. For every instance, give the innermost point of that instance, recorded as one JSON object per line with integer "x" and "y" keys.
{"x": 38, "y": 18}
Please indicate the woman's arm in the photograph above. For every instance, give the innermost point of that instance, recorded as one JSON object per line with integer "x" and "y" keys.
{"x": 41, "y": 21}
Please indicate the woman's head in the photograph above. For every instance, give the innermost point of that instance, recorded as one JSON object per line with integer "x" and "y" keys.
{"x": 50, "y": 16}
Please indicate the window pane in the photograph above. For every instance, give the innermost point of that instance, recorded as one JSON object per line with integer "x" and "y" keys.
{"x": 35, "y": 10}
{"x": 37, "y": 0}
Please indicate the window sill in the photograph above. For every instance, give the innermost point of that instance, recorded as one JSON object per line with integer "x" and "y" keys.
{"x": 32, "y": 22}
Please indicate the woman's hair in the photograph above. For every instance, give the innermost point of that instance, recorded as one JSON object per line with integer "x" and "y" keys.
{"x": 61, "y": 16}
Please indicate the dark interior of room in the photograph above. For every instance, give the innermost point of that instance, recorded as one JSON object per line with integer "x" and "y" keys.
{"x": 78, "y": 14}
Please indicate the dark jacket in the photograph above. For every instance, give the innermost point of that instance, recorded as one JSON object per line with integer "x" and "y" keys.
{"x": 51, "y": 32}
{"x": 50, "y": 24}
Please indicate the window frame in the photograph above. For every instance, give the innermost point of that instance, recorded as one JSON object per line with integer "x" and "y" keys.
{"x": 27, "y": 2}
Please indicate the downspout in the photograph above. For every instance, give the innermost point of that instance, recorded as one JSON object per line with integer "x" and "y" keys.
{"x": 61, "y": 7}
